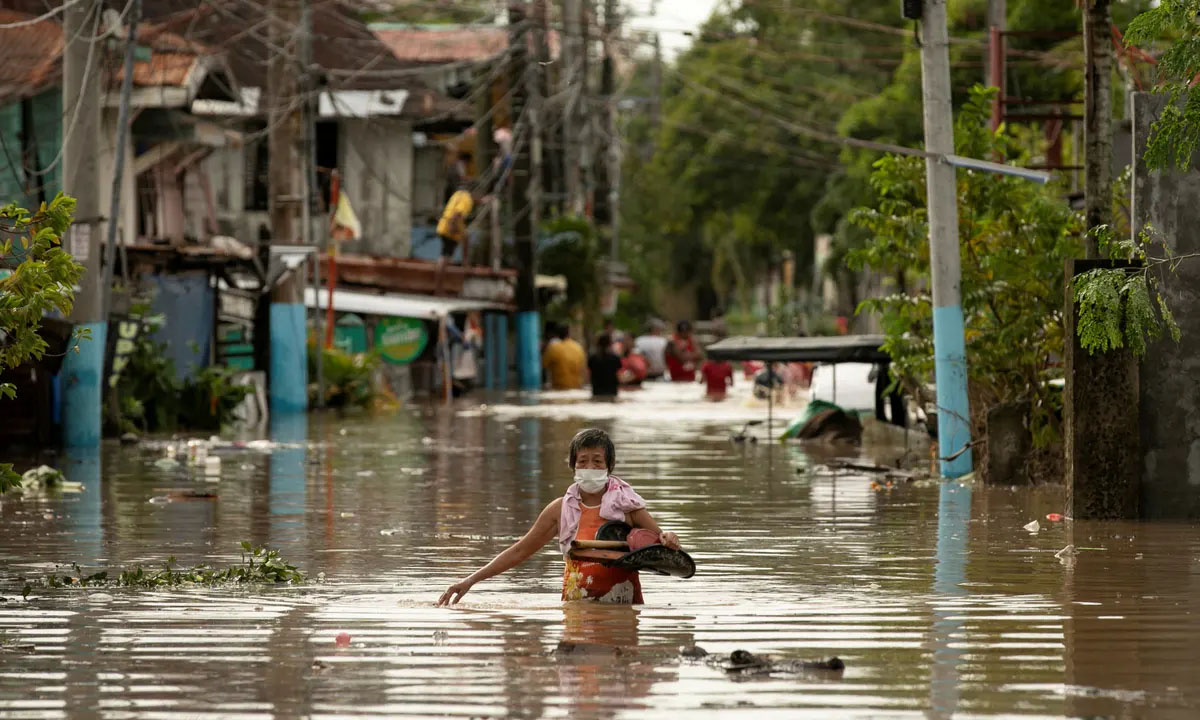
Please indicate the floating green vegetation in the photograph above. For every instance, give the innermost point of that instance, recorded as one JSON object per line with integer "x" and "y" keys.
{"x": 259, "y": 566}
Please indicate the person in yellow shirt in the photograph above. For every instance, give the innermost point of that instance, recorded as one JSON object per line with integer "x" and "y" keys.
{"x": 565, "y": 362}
{"x": 452, "y": 227}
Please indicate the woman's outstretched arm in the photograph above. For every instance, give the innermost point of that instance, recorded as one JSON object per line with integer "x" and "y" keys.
{"x": 544, "y": 528}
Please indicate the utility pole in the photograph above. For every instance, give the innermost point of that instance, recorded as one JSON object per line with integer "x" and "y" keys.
{"x": 949, "y": 346}
{"x": 288, "y": 378}
{"x": 994, "y": 72}
{"x": 1097, "y": 49}
{"x": 309, "y": 163}
{"x": 658, "y": 83}
{"x": 114, "y": 211}
{"x": 526, "y": 194}
{"x": 82, "y": 79}
{"x": 997, "y": 21}
{"x": 606, "y": 175}
{"x": 573, "y": 83}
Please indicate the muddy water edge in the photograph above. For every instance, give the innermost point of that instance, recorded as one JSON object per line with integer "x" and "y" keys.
{"x": 936, "y": 599}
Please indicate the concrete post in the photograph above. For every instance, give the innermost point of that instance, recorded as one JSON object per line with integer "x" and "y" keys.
{"x": 83, "y": 372}
{"x": 950, "y": 357}
{"x": 1169, "y": 200}
{"x": 288, "y": 380}
{"x": 1100, "y": 420}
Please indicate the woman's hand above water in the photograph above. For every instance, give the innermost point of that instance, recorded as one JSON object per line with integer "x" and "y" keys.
{"x": 455, "y": 593}
{"x": 671, "y": 540}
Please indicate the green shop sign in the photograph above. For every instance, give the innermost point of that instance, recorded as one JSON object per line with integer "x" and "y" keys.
{"x": 400, "y": 340}
{"x": 350, "y": 335}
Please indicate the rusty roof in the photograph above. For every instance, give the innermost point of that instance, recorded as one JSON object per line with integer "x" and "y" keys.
{"x": 349, "y": 54}
{"x": 426, "y": 45}
{"x": 28, "y": 55}
{"x": 31, "y": 57}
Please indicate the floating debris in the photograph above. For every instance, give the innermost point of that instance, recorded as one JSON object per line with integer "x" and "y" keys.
{"x": 342, "y": 639}
{"x": 1032, "y": 527}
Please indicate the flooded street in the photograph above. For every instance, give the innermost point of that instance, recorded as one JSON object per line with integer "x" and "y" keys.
{"x": 936, "y": 599}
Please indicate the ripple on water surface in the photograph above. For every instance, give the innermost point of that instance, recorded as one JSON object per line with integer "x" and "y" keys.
{"x": 936, "y": 599}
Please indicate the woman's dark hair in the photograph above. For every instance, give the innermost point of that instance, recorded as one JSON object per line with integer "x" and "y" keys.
{"x": 684, "y": 326}
{"x": 603, "y": 341}
{"x": 592, "y": 439}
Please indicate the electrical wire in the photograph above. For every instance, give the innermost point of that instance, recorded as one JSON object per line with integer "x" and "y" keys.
{"x": 47, "y": 16}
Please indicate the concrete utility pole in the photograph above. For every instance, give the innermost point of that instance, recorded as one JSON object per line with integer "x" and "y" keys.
{"x": 288, "y": 379}
{"x": 83, "y": 76}
{"x": 526, "y": 197}
{"x": 574, "y": 83}
{"x": 949, "y": 347}
{"x": 114, "y": 212}
{"x": 606, "y": 171}
{"x": 1097, "y": 49}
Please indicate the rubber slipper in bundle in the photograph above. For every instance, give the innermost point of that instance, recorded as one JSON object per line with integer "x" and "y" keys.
{"x": 620, "y": 546}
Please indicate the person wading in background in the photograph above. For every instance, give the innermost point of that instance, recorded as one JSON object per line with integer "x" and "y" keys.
{"x": 653, "y": 347}
{"x": 604, "y": 367}
{"x": 682, "y": 354}
{"x": 565, "y": 362}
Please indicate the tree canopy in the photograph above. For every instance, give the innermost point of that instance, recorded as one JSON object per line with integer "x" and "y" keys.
{"x": 736, "y": 172}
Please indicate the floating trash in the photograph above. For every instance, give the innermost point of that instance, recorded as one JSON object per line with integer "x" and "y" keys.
{"x": 365, "y": 473}
{"x": 342, "y": 639}
{"x": 347, "y": 514}
{"x": 1032, "y": 527}
{"x": 166, "y": 463}
{"x": 159, "y": 500}
{"x": 1054, "y": 517}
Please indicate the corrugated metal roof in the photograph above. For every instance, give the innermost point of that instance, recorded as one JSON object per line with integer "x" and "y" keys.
{"x": 424, "y": 307}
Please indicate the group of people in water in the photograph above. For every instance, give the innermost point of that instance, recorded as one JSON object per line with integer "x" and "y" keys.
{"x": 618, "y": 362}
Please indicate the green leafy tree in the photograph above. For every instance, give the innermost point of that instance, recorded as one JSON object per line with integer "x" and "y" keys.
{"x": 1124, "y": 307}
{"x": 572, "y": 249}
{"x": 1015, "y": 236}
{"x": 1175, "y": 137}
{"x": 38, "y": 278}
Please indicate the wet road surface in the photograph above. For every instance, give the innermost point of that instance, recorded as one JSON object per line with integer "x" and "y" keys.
{"x": 937, "y": 600}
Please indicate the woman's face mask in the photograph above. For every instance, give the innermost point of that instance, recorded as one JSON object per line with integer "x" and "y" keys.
{"x": 591, "y": 480}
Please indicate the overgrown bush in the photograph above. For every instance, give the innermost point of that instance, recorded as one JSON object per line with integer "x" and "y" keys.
{"x": 348, "y": 377}
{"x": 149, "y": 397}
{"x": 1015, "y": 236}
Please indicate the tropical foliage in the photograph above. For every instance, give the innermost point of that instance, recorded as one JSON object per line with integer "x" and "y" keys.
{"x": 36, "y": 277}
{"x": 1175, "y": 137}
{"x": 736, "y": 171}
{"x": 1015, "y": 236}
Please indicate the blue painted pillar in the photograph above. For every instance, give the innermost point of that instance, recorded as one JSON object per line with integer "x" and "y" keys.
{"x": 82, "y": 389}
{"x": 489, "y": 351}
{"x": 529, "y": 361}
{"x": 950, "y": 372}
{"x": 289, "y": 359}
{"x": 499, "y": 361}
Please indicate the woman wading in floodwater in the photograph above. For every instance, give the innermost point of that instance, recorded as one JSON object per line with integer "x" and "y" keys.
{"x": 594, "y": 498}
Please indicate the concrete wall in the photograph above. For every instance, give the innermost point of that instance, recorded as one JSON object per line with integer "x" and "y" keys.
{"x": 376, "y": 156}
{"x": 1170, "y": 394}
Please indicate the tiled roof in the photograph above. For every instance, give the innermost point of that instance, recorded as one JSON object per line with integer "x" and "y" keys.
{"x": 454, "y": 43}
{"x": 31, "y": 57}
{"x": 28, "y": 54}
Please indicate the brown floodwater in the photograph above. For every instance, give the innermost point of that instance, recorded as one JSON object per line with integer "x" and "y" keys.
{"x": 937, "y": 600}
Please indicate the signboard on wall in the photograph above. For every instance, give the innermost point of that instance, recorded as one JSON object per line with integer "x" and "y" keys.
{"x": 122, "y": 342}
{"x": 350, "y": 335}
{"x": 400, "y": 340}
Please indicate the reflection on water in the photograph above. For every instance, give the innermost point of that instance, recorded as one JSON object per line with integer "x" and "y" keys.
{"x": 936, "y": 599}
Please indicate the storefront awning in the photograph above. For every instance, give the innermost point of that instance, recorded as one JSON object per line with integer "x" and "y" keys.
{"x": 424, "y": 307}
